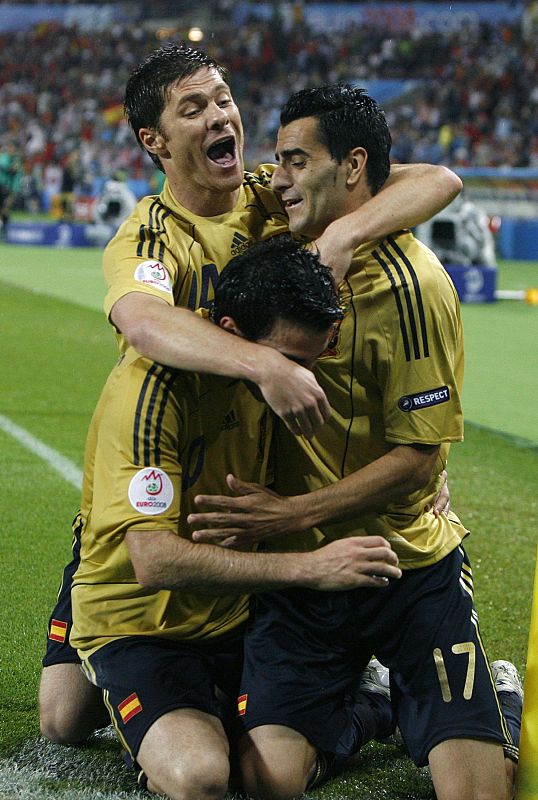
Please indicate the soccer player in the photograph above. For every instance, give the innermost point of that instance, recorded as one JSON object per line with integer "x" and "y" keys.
{"x": 392, "y": 374}
{"x": 165, "y": 260}
{"x": 158, "y": 620}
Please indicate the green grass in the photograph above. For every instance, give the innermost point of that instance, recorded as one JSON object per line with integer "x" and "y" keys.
{"x": 56, "y": 356}
{"x": 73, "y": 273}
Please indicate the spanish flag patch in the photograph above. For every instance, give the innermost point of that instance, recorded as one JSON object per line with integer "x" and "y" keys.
{"x": 58, "y": 630}
{"x": 242, "y": 705}
{"x": 129, "y": 707}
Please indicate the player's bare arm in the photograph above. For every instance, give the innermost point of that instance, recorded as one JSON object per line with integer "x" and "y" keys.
{"x": 257, "y": 513}
{"x": 413, "y": 193}
{"x": 163, "y": 560}
{"x": 179, "y": 338}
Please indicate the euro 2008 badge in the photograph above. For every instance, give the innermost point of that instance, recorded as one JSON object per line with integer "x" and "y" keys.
{"x": 151, "y": 491}
{"x": 153, "y": 273}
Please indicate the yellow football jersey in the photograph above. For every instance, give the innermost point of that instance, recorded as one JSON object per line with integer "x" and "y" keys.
{"x": 393, "y": 375}
{"x": 163, "y": 249}
{"x": 158, "y": 437}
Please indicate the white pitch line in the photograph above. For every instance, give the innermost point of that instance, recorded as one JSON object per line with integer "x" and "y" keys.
{"x": 62, "y": 465}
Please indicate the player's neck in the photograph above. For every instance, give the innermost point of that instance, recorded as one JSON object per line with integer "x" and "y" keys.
{"x": 205, "y": 203}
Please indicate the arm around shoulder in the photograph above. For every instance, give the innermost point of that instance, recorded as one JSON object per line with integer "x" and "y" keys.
{"x": 412, "y": 194}
{"x": 179, "y": 338}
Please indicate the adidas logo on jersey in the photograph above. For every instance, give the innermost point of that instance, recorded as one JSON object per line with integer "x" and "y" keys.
{"x": 239, "y": 244}
{"x": 230, "y": 421}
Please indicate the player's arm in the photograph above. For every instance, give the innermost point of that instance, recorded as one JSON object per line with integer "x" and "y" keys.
{"x": 162, "y": 560}
{"x": 413, "y": 193}
{"x": 179, "y": 338}
{"x": 257, "y": 513}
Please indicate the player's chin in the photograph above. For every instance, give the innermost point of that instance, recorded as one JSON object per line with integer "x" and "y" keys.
{"x": 296, "y": 221}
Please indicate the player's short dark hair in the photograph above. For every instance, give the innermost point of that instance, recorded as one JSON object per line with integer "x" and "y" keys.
{"x": 148, "y": 87}
{"x": 347, "y": 117}
{"x": 272, "y": 280}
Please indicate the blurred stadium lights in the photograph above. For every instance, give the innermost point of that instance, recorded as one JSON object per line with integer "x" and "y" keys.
{"x": 195, "y": 34}
{"x": 164, "y": 33}
{"x": 168, "y": 31}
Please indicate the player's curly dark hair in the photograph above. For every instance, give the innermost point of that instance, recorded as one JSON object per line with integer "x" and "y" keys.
{"x": 348, "y": 117}
{"x": 276, "y": 279}
{"x": 147, "y": 90}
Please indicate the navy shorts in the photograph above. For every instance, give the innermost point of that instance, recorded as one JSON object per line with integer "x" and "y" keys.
{"x": 143, "y": 677}
{"x": 58, "y": 650}
{"x": 304, "y": 651}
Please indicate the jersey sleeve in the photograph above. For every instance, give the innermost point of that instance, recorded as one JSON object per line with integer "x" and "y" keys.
{"x": 139, "y": 259}
{"x": 134, "y": 451}
{"x": 420, "y": 358}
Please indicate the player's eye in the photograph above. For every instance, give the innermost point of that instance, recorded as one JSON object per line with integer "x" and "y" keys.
{"x": 298, "y": 162}
{"x": 191, "y": 111}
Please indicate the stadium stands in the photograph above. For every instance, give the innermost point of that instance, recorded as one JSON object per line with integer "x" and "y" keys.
{"x": 472, "y": 93}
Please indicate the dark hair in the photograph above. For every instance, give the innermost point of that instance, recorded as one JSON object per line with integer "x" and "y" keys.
{"x": 147, "y": 90}
{"x": 348, "y": 118}
{"x": 276, "y": 279}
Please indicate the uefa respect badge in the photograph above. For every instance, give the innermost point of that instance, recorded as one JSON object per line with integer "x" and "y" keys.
{"x": 151, "y": 491}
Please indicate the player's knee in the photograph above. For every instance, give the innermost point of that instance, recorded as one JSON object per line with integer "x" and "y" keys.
{"x": 206, "y": 780}
{"x": 62, "y": 726}
{"x": 472, "y": 792}
{"x": 511, "y": 775}
{"x": 69, "y": 722}
{"x": 265, "y": 781}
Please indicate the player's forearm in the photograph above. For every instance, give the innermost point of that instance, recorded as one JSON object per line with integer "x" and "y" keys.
{"x": 179, "y": 338}
{"x": 170, "y": 562}
{"x": 395, "y": 475}
{"x": 165, "y": 561}
{"x": 413, "y": 193}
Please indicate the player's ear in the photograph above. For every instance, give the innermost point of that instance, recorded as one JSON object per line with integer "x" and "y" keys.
{"x": 356, "y": 165}
{"x": 154, "y": 142}
{"x": 230, "y": 325}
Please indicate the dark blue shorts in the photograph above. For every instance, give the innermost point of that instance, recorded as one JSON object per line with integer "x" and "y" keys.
{"x": 58, "y": 650}
{"x": 143, "y": 677}
{"x": 304, "y": 651}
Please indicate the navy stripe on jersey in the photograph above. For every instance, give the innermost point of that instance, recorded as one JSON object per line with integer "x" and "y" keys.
{"x": 150, "y": 245}
{"x": 350, "y": 386}
{"x": 396, "y": 294}
{"x": 418, "y": 294}
{"x": 168, "y": 383}
{"x": 156, "y": 385}
{"x": 397, "y": 266}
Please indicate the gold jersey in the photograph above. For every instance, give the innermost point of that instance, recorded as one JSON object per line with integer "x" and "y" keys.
{"x": 158, "y": 438}
{"x": 393, "y": 375}
{"x": 165, "y": 250}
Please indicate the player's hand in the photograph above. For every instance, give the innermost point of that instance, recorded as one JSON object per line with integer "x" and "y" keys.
{"x": 441, "y": 503}
{"x": 355, "y": 562}
{"x": 294, "y": 395}
{"x": 334, "y": 250}
{"x": 254, "y": 514}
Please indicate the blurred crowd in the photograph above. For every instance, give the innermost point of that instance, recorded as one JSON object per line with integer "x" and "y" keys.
{"x": 474, "y": 99}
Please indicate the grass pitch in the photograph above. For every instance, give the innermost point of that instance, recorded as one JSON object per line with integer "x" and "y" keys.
{"x": 57, "y": 351}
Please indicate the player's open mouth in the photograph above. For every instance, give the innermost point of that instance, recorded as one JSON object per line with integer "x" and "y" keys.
{"x": 223, "y": 152}
{"x": 293, "y": 202}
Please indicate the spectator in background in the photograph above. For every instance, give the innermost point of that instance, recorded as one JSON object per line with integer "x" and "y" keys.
{"x": 10, "y": 177}
{"x": 64, "y": 99}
